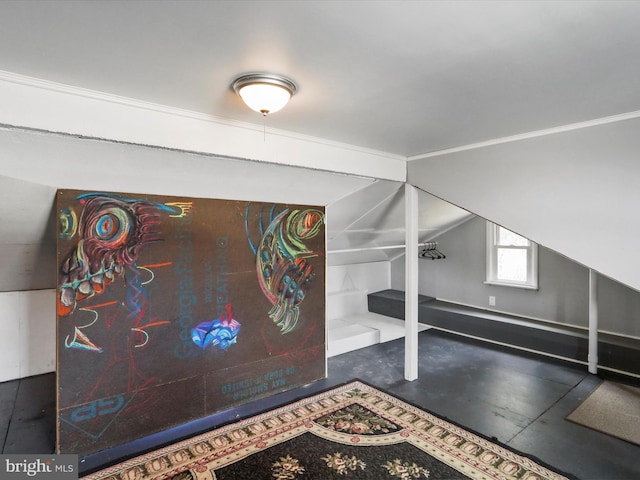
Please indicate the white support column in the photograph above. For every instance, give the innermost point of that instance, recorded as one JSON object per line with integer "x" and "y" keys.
{"x": 411, "y": 283}
{"x": 593, "y": 322}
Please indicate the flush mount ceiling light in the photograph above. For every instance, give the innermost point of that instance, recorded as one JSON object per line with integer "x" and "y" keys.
{"x": 264, "y": 92}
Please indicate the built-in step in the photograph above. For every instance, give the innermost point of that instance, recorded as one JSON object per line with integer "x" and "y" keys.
{"x": 351, "y": 326}
{"x": 363, "y": 330}
{"x": 390, "y": 328}
{"x": 343, "y": 336}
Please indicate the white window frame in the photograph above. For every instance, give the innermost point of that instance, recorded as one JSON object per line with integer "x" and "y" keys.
{"x": 492, "y": 261}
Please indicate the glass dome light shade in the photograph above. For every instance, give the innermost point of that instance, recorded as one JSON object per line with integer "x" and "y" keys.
{"x": 264, "y": 98}
{"x": 264, "y": 92}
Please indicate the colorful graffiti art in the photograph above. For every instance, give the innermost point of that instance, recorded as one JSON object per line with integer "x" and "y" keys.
{"x": 281, "y": 254}
{"x": 221, "y": 332}
{"x": 161, "y": 299}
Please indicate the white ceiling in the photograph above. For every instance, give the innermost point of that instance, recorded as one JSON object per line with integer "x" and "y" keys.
{"x": 404, "y": 77}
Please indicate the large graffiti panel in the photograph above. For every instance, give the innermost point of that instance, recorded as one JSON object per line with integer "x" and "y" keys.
{"x": 171, "y": 309}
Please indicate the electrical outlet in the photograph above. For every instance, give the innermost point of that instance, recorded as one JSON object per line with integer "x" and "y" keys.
{"x": 492, "y": 301}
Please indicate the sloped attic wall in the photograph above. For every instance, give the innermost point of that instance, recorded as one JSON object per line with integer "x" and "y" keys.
{"x": 368, "y": 225}
{"x": 575, "y": 192}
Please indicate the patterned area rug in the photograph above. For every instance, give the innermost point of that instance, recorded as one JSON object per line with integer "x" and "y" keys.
{"x": 351, "y": 432}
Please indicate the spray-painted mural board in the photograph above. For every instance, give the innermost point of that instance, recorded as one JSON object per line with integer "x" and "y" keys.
{"x": 171, "y": 309}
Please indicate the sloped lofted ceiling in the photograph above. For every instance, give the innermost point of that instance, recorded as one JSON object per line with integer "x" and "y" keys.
{"x": 575, "y": 192}
{"x": 368, "y": 225}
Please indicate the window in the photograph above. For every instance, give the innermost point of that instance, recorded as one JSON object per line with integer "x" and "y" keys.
{"x": 512, "y": 260}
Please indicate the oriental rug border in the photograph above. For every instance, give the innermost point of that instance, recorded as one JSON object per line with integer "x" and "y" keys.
{"x": 374, "y": 418}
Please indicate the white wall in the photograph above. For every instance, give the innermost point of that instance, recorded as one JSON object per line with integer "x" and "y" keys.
{"x": 27, "y": 333}
{"x": 575, "y": 192}
{"x": 563, "y": 285}
{"x": 348, "y": 286}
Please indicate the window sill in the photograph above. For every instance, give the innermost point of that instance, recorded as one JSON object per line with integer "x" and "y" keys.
{"x": 524, "y": 286}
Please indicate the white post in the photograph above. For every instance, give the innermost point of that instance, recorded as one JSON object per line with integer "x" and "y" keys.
{"x": 593, "y": 322}
{"x": 411, "y": 283}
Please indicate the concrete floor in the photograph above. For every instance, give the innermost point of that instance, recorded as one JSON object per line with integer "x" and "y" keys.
{"x": 520, "y": 399}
